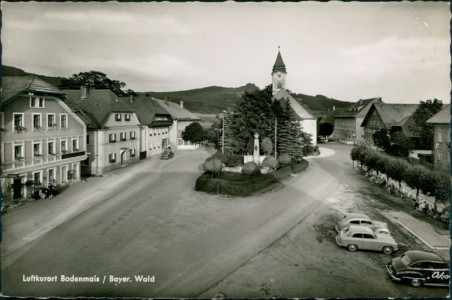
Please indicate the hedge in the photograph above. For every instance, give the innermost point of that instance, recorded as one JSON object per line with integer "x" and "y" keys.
{"x": 237, "y": 184}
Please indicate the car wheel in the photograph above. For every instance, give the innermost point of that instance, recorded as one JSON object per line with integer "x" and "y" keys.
{"x": 416, "y": 282}
{"x": 352, "y": 248}
{"x": 387, "y": 250}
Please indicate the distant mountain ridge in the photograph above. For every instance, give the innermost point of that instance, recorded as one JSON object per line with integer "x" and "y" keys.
{"x": 212, "y": 99}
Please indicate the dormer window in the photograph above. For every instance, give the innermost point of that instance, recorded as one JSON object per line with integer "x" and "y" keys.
{"x": 37, "y": 102}
{"x": 127, "y": 117}
{"x": 118, "y": 117}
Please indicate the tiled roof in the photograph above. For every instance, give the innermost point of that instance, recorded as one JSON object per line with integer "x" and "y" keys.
{"x": 14, "y": 85}
{"x": 300, "y": 111}
{"x": 407, "y": 124}
{"x": 442, "y": 117}
{"x": 176, "y": 111}
{"x": 392, "y": 114}
{"x": 279, "y": 64}
{"x": 146, "y": 108}
{"x": 99, "y": 104}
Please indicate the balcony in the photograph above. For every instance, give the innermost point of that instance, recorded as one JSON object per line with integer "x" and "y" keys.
{"x": 73, "y": 154}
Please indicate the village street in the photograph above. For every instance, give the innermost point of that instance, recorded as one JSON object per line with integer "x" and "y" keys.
{"x": 150, "y": 222}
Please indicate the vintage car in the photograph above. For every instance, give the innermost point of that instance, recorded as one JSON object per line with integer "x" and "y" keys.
{"x": 359, "y": 219}
{"x": 167, "y": 154}
{"x": 418, "y": 268}
{"x": 359, "y": 237}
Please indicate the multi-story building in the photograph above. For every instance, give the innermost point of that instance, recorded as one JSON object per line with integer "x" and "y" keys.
{"x": 42, "y": 137}
{"x": 390, "y": 116}
{"x": 347, "y": 124}
{"x": 156, "y": 123}
{"x": 441, "y": 139}
{"x": 181, "y": 119}
{"x": 113, "y": 138}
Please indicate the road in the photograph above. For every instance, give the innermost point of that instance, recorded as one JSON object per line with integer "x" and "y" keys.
{"x": 188, "y": 243}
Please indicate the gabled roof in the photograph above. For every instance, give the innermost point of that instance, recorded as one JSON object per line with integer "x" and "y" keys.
{"x": 300, "y": 111}
{"x": 441, "y": 117}
{"x": 279, "y": 64}
{"x": 176, "y": 111}
{"x": 99, "y": 104}
{"x": 407, "y": 125}
{"x": 359, "y": 109}
{"x": 391, "y": 114}
{"x": 146, "y": 109}
{"x": 13, "y": 86}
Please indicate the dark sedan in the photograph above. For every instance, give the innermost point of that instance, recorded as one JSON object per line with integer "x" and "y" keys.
{"x": 418, "y": 268}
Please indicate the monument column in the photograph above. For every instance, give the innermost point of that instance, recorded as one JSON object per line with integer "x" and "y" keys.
{"x": 256, "y": 151}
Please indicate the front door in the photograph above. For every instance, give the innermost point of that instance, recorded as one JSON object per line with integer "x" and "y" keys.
{"x": 17, "y": 188}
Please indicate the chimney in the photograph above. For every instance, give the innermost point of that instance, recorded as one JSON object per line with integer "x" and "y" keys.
{"x": 131, "y": 98}
{"x": 182, "y": 104}
{"x": 84, "y": 92}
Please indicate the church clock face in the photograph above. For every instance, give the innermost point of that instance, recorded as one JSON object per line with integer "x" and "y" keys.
{"x": 279, "y": 76}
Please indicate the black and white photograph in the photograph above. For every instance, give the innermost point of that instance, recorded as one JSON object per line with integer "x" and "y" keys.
{"x": 224, "y": 150}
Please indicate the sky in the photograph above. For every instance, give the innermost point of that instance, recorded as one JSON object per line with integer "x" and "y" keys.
{"x": 348, "y": 51}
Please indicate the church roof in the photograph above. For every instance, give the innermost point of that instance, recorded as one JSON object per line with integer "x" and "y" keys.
{"x": 279, "y": 64}
{"x": 301, "y": 112}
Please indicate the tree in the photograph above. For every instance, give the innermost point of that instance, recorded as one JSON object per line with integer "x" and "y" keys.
{"x": 382, "y": 140}
{"x": 270, "y": 162}
{"x": 253, "y": 113}
{"x": 194, "y": 133}
{"x": 413, "y": 176}
{"x": 284, "y": 159}
{"x": 97, "y": 80}
{"x": 325, "y": 129}
{"x": 267, "y": 146}
{"x": 425, "y": 111}
{"x": 400, "y": 144}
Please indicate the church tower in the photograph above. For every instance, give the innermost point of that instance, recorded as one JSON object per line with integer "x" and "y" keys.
{"x": 279, "y": 74}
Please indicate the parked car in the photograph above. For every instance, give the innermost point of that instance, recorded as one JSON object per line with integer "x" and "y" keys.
{"x": 359, "y": 219}
{"x": 167, "y": 154}
{"x": 363, "y": 238}
{"x": 418, "y": 268}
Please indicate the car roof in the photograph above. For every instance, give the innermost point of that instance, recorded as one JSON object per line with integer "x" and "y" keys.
{"x": 417, "y": 255}
{"x": 360, "y": 229}
{"x": 356, "y": 215}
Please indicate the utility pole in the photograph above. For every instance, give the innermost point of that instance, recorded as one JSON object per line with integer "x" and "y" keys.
{"x": 276, "y": 130}
{"x": 222, "y": 138}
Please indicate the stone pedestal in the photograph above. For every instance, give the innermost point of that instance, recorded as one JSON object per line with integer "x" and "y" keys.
{"x": 256, "y": 150}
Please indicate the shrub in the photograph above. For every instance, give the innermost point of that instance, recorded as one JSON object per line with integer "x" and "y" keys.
{"x": 441, "y": 183}
{"x": 270, "y": 162}
{"x": 251, "y": 168}
{"x": 298, "y": 168}
{"x": 233, "y": 160}
{"x": 220, "y": 156}
{"x": 267, "y": 146}
{"x": 284, "y": 159}
{"x": 212, "y": 165}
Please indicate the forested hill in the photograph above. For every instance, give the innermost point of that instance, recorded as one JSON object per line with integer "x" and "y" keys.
{"x": 211, "y": 99}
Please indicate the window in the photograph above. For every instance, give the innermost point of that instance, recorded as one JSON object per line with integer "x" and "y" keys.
{"x": 112, "y": 137}
{"x": 440, "y": 155}
{"x": 112, "y": 157}
{"x": 118, "y": 117}
{"x": 51, "y": 148}
{"x": 63, "y": 174}
{"x": 127, "y": 117}
{"x": 75, "y": 145}
{"x": 87, "y": 139}
{"x": 85, "y": 162}
{"x": 63, "y": 121}
{"x": 368, "y": 236}
{"x": 51, "y": 175}
{"x": 132, "y": 152}
{"x": 358, "y": 235}
{"x": 37, "y": 121}
{"x": 18, "y": 152}
{"x": 440, "y": 136}
{"x": 37, "y": 178}
{"x": 123, "y": 136}
{"x": 37, "y": 149}
{"x": 18, "y": 121}
{"x": 51, "y": 120}
{"x": 132, "y": 135}
{"x": 37, "y": 102}
{"x": 354, "y": 222}
{"x": 366, "y": 222}
{"x": 63, "y": 146}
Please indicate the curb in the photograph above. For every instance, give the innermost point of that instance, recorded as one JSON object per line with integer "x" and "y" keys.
{"x": 417, "y": 236}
